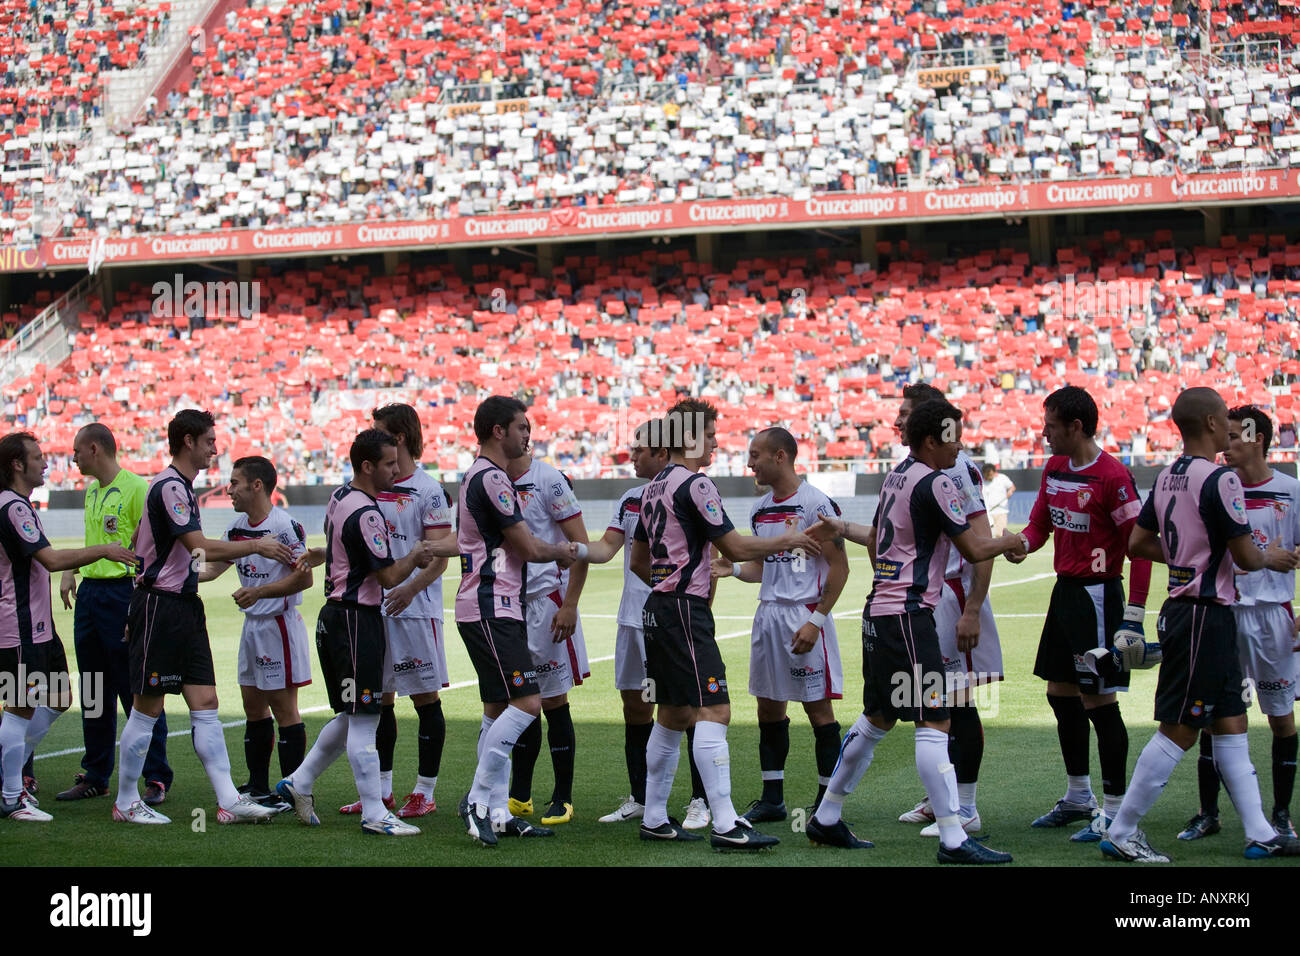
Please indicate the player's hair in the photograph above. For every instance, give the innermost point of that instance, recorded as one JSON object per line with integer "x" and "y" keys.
{"x": 257, "y": 468}
{"x": 98, "y": 433}
{"x": 989, "y": 471}
{"x": 13, "y": 449}
{"x": 931, "y": 420}
{"x": 369, "y": 446}
{"x": 780, "y": 440}
{"x": 402, "y": 420}
{"x": 921, "y": 392}
{"x": 188, "y": 422}
{"x": 1191, "y": 408}
{"x": 651, "y": 435}
{"x": 1263, "y": 424}
{"x": 1071, "y": 403}
{"x": 685, "y": 423}
{"x": 493, "y": 411}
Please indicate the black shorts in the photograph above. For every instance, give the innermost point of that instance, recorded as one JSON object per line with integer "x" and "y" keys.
{"x": 350, "y": 646}
{"x": 35, "y": 675}
{"x": 1084, "y": 613}
{"x": 1200, "y": 673}
{"x": 682, "y": 662}
{"x": 167, "y": 637}
{"x": 499, "y": 649}
{"x": 902, "y": 668}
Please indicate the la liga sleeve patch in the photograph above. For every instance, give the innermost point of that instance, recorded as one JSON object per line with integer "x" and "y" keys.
{"x": 500, "y": 492}
{"x": 176, "y": 503}
{"x": 374, "y": 531}
{"x": 24, "y": 523}
{"x": 707, "y": 501}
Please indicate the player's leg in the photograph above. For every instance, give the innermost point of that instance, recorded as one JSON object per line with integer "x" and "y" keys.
{"x": 539, "y": 612}
{"x": 1206, "y": 821}
{"x": 826, "y": 742}
{"x": 386, "y": 746}
{"x": 99, "y": 692}
{"x": 638, "y": 717}
{"x": 339, "y": 675}
{"x": 259, "y": 740}
{"x": 773, "y": 750}
{"x": 965, "y": 730}
{"x": 431, "y": 737}
{"x": 1101, "y": 705}
{"x": 1265, "y": 638}
{"x": 562, "y": 741}
{"x": 153, "y": 659}
{"x": 18, "y": 711}
{"x": 114, "y": 604}
{"x": 672, "y": 687}
{"x": 697, "y": 808}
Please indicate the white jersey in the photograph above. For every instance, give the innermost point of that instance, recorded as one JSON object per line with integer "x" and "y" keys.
{"x": 545, "y": 499}
{"x": 256, "y": 570}
{"x": 786, "y": 578}
{"x": 624, "y": 520}
{"x": 1273, "y": 510}
{"x": 415, "y": 504}
{"x": 969, "y": 484}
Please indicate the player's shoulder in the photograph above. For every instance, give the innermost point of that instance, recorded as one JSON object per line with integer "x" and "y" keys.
{"x": 968, "y": 470}
{"x": 1281, "y": 481}
{"x": 632, "y": 495}
{"x": 814, "y": 499}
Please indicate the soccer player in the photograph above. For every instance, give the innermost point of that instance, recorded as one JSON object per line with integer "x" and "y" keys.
{"x": 274, "y": 655}
{"x": 968, "y": 634}
{"x": 166, "y": 628}
{"x": 682, "y": 520}
{"x": 649, "y": 457}
{"x": 794, "y": 653}
{"x": 555, "y": 640}
{"x": 998, "y": 489}
{"x": 114, "y": 504}
{"x": 1087, "y": 504}
{"x": 1266, "y": 629}
{"x": 350, "y": 642}
{"x": 34, "y": 683}
{"x": 495, "y": 543}
{"x": 415, "y": 659}
{"x": 1195, "y": 519}
{"x": 919, "y": 514}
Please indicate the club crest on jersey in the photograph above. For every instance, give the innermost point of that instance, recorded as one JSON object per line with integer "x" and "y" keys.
{"x": 110, "y": 524}
{"x": 517, "y": 679}
{"x": 153, "y": 679}
{"x": 713, "y": 685}
{"x": 401, "y": 504}
{"x": 366, "y": 696}
{"x": 525, "y": 496}
{"x": 1085, "y": 495}
{"x": 791, "y": 521}
{"x": 1279, "y": 506}
{"x": 1197, "y": 709}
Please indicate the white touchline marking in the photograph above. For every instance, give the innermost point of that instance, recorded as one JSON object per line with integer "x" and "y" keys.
{"x": 460, "y": 685}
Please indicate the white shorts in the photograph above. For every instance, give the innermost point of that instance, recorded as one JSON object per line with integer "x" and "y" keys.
{"x": 1264, "y": 647}
{"x": 415, "y": 660}
{"x": 274, "y": 653}
{"x": 979, "y": 666}
{"x": 629, "y": 658}
{"x": 776, "y": 672}
{"x": 559, "y": 666}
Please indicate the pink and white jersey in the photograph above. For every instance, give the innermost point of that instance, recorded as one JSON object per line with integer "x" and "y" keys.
{"x": 255, "y": 570}
{"x": 970, "y": 487}
{"x": 356, "y": 546}
{"x": 920, "y": 509}
{"x": 546, "y": 498}
{"x": 1197, "y": 507}
{"x": 787, "y": 578}
{"x": 170, "y": 510}
{"x": 681, "y": 513}
{"x": 26, "y": 614}
{"x": 416, "y": 504}
{"x": 1273, "y": 510}
{"x": 491, "y": 575}
{"x": 624, "y": 520}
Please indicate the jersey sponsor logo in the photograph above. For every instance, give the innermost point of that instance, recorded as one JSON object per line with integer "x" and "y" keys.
{"x": 805, "y": 673}
{"x": 550, "y": 667}
{"x": 1275, "y": 685}
{"x": 505, "y": 601}
{"x": 1070, "y": 520}
{"x": 888, "y": 570}
{"x": 466, "y": 564}
{"x": 249, "y": 570}
{"x": 266, "y": 662}
{"x": 1085, "y": 495}
{"x": 1260, "y": 538}
{"x": 1180, "y": 577}
{"x": 659, "y": 574}
{"x": 411, "y": 664}
{"x": 558, "y": 489}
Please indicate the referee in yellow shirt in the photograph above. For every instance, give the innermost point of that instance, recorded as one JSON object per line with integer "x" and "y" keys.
{"x": 114, "y": 503}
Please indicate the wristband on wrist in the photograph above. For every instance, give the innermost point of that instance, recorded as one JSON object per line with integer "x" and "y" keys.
{"x": 582, "y": 551}
{"x": 735, "y": 570}
{"x": 818, "y": 619}
{"x": 1025, "y": 541}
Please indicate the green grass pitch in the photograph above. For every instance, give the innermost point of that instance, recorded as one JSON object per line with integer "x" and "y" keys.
{"x": 1022, "y": 773}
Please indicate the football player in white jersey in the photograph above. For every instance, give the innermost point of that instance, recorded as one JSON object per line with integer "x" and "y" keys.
{"x": 274, "y": 652}
{"x": 415, "y": 657}
{"x": 555, "y": 640}
{"x": 649, "y": 457}
{"x": 1267, "y": 628}
{"x": 794, "y": 652}
{"x": 968, "y": 636}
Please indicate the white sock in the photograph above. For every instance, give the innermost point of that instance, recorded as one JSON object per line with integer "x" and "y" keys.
{"x": 713, "y": 758}
{"x": 483, "y": 728}
{"x": 856, "y": 752}
{"x": 1079, "y": 790}
{"x": 364, "y": 758}
{"x": 386, "y": 782}
{"x": 1155, "y": 765}
{"x": 210, "y": 745}
{"x": 966, "y": 797}
{"x": 328, "y": 747}
{"x": 499, "y": 801}
{"x": 497, "y": 742}
{"x": 424, "y": 786}
{"x": 13, "y": 733}
{"x": 37, "y": 728}
{"x": 133, "y": 747}
{"x": 1232, "y": 760}
{"x": 940, "y": 779}
{"x": 1110, "y": 805}
{"x": 662, "y": 751}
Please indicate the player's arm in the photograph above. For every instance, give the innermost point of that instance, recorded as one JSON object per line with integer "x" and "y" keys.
{"x": 66, "y": 559}
{"x": 400, "y": 598}
{"x": 838, "y": 574}
{"x": 1247, "y": 555}
{"x": 639, "y": 562}
{"x": 565, "y": 622}
{"x": 299, "y": 580}
{"x": 968, "y": 625}
{"x": 828, "y": 528}
{"x": 390, "y": 576}
{"x": 217, "y": 550}
{"x": 213, "y": 570}
{"x": 311, "y": 558}
{"x": 747, "y": 547}
{"x": 1039, "y": 529}
{"x": 534, "y": 550}
{"x": 604, "y": 550}
{"x": 975, "y": 548}
{"x": 67, "y": 587}
{"x": 751, "y": 572}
